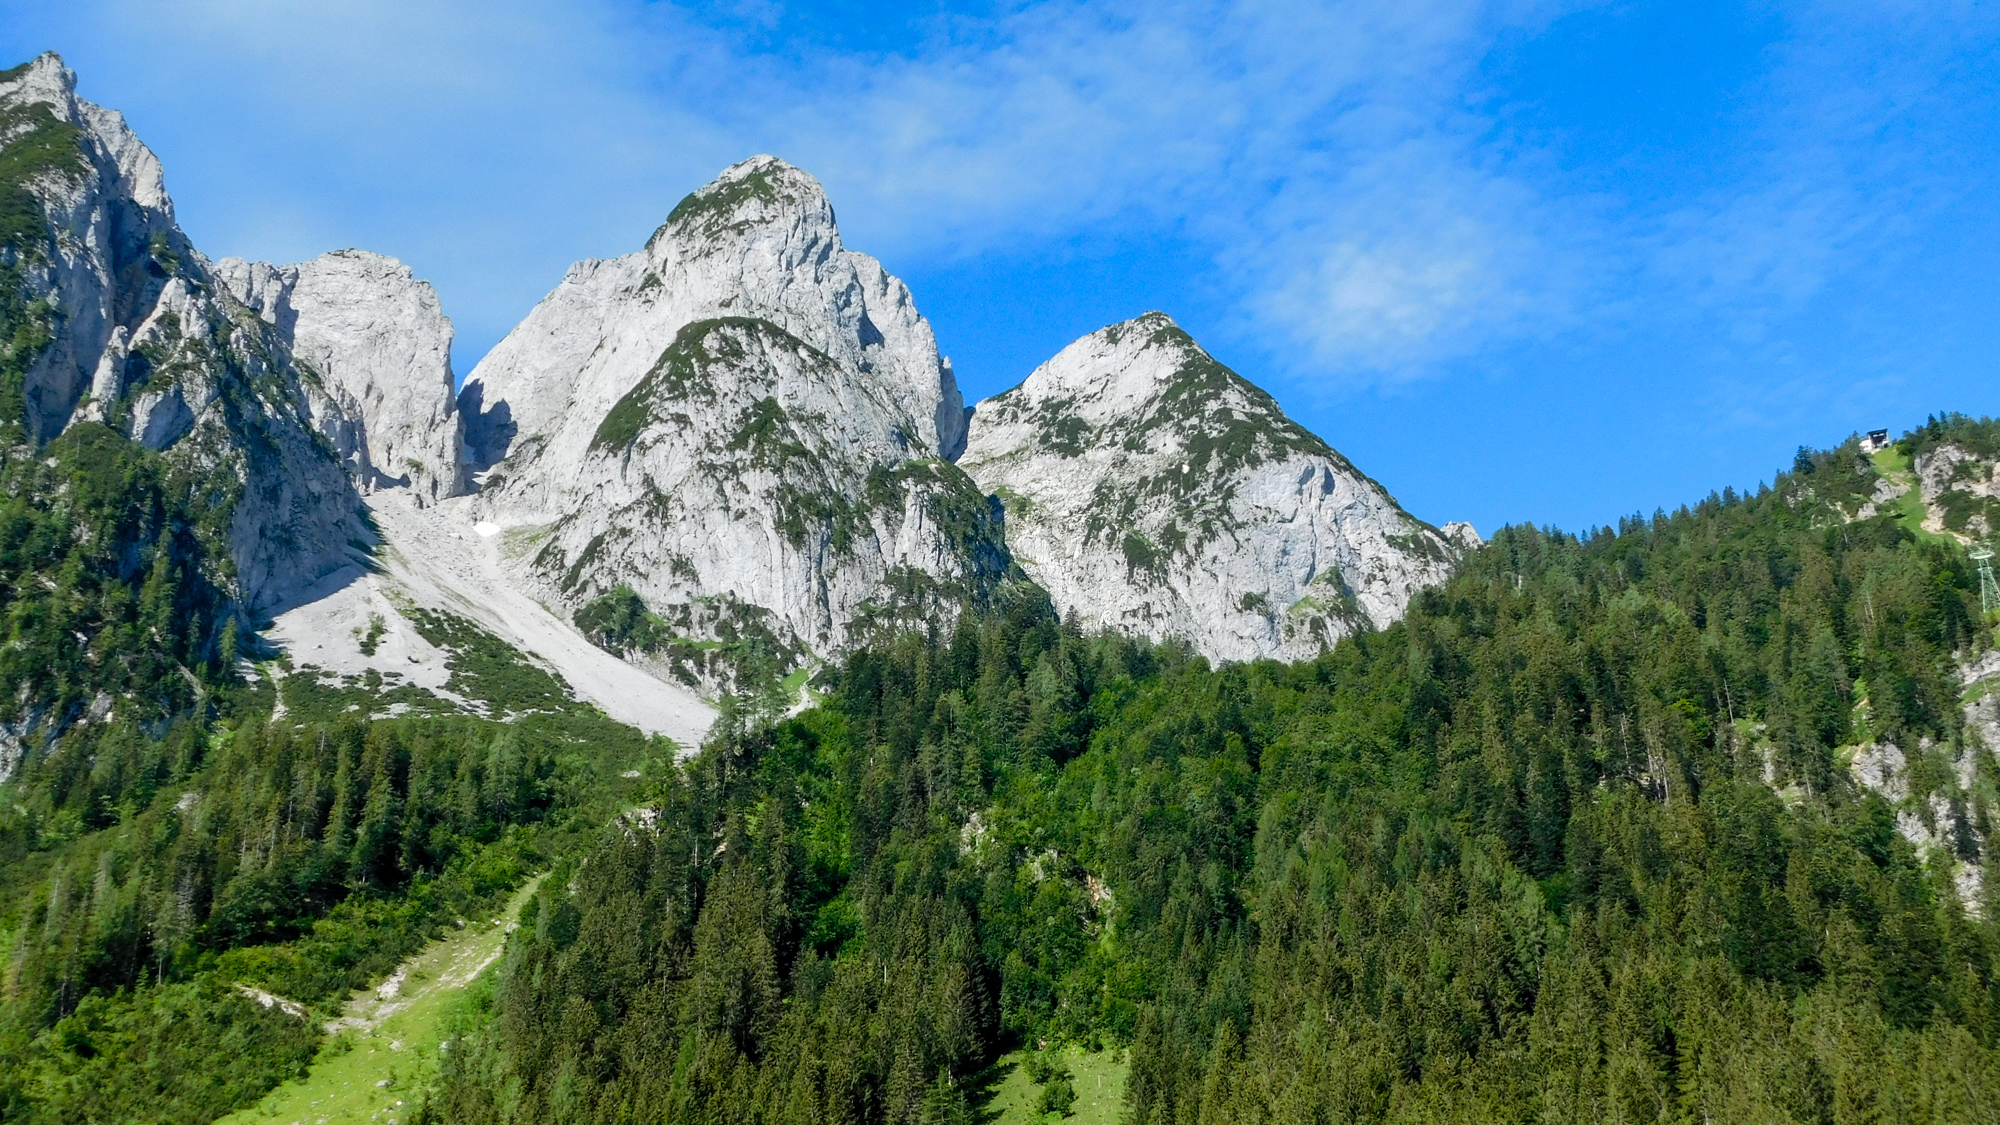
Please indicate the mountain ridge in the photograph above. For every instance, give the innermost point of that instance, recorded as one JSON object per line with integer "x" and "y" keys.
{"x": 149, "y": 344}
{"x": 1161, "y": 494}
{"x": 742, "y": 434}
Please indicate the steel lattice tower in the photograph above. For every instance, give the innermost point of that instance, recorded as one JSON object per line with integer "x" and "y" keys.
{"x": 1989, "y": 590}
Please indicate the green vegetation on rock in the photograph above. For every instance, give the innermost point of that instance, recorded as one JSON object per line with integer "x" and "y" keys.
{"x": 720, "y": 644}
{"x": 1975, "y": 442}
{"x": 716, "y": 207}
{"x": 40, "y": 151}
{"x": 40, "y": 148}
{"x": 1207, "y": 425}
{"x": 683, "y": 372}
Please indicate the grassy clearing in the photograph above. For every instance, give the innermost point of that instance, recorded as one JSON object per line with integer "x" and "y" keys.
{"x": 1099, "y": 1078}
{"x": 390, "y": 1032}
{"x": 1909, "y": 507}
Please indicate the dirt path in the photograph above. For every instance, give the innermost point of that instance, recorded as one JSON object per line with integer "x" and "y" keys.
{"x": 392, "y": 1033}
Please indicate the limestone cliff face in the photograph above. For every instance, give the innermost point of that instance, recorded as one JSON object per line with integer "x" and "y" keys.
{"x": 125, "y": 324}
{"x": 381, "y": 345}
{"x": 745, "y": 423}
{"x": 740, "y": 438}
{"x": 759, "y": 242}
{"x": 1152, "y": 490}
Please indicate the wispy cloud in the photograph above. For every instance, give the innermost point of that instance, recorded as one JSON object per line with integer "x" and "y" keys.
{"x": 1365, "y": 196}
{"x": 1322, "y": 151}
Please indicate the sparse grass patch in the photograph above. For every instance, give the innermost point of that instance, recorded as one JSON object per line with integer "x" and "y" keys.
{"x": 1012, "y": 1097}
{"x": 401, "y": 1045}
{"x": 488, "y": 669}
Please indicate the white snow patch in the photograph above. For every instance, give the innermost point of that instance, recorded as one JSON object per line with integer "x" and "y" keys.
{"x": 487, "y": 529}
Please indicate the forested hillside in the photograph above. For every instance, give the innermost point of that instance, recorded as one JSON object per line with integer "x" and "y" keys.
{"x": 1689, "y": 819}
{"x": 149, "y": 881}
{"x": 1576, "y": 841}
{"x": 1585, "y": 837}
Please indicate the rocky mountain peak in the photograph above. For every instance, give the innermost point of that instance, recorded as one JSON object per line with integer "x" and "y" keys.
{"x": 761, "y": 194}
{"x": 116, "y": 151}
{"x": 127, "y": 327}
{"x": 84, "y": 214}
{"x": 42, "y": 81}
{"x": 1144, "y": 384}
{"x": 743, "y": 427}
{"x": 1109, "y": 372}
{"x": 758, "y": 242}
{"x": 381, "y": 345}
{"x": 1153, "y": 490}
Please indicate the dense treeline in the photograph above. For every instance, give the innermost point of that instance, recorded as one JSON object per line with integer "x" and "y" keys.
{"x": 110, "y": 585}
{"x": 1977, "y": 436}
{"x": 147, "y": 877}
{"x": 268, "y": 828}
{"x": 1575, "y": 841}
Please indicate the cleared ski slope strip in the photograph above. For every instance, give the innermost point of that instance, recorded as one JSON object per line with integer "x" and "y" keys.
{"x": 436, "y": 558}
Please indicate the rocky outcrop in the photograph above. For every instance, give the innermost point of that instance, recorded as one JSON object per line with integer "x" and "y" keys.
{"x": 759, "y": 242}
{"x": 1933, "y": 789}
{"x": 1960, "y": 490}
{"x": 745, "y": 424}
{"x": 381, "y": 345}
{"x": 115, "y": 319}
{"x": 1937, "y": 806}
{"x": 1152, "y": 490}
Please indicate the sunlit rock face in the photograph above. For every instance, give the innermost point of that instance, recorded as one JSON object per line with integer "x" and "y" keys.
{"x": 744, "y": 422}
{"x": 1154, "y": 491}
{"x": 381, "y": 345}
{"x": 129, "y": 327}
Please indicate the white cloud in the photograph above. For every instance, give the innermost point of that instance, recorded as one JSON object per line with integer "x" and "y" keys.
{"x": 1371, "y": 218}
{"x": 1321, "y": 151}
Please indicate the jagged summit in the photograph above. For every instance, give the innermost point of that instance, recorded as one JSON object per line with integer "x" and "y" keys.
{"x": 1153, "y": 490}
{"x": 759, "y": 241}
{"x": 119, "y": 321}
{"x": 1148, "y": 376}
{"x": 760, "y": 191}
{"x": 380, "y": 342}
{"x": 46, "y": 81}
{"x": 744, "y": 426}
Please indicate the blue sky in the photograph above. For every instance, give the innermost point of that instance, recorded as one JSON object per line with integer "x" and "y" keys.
{"x": 1553, "y": 262}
